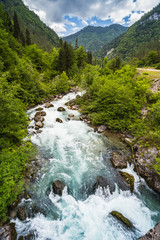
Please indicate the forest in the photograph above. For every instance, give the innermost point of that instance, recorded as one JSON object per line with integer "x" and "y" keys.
{"x": 114, "y": 95}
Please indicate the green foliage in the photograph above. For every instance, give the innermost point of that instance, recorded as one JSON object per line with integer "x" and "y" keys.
{"x": 62, "y": 84}
{"x": 116, "y": 99}
{"x": 12, "y": 164}
{"x": 142, "y": 37}
{"x": 93, "y": 38}
{"x": 80, "y": 57}
{"x": 27, "y": 75}
{"x": 40, "y": 34}
{"x": 13, "y": 117}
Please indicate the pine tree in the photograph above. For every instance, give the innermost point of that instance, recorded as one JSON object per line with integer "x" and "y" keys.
{"x": 89, "y": 58}
{"x": 16, "y": 32}
{"x": 76, "y": 43}
{"x": 28, "y": 37}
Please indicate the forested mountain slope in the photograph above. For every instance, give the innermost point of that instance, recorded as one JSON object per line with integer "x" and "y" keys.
{"x": 93, "y": 38}
{"x": 140, "y": 38}
{"x": 41, "y": 34}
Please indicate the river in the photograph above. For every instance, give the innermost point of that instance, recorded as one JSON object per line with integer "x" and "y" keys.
{"x": 73, "y": 153}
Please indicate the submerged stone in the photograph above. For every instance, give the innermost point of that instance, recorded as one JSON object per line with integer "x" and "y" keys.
{"x": 71, "y": 115}
{"x": 121, "y": 218}
{"x": 103, "y": 183}
{"x": 58, "y": 187}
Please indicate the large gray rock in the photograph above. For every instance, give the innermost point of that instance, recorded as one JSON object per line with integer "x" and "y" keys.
{"x": 101, "y": 128}
{"x": 58, "y": 187}
{"x": 103, "y": 183}
{"x": 8, "y": 232}
{"x": 118, "y": 160}
{"x": 152, "y": 234}
{"x": 144, "y": 159}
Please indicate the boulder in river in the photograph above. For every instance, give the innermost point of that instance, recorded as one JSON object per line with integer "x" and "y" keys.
{"x": 61, "y": 109}
{"x": 121, "y": 218}
{"x": 118, "y": 160}
{"x": 101, "y": 128}
{"x": 71, "y": 115}
{"x": 59, "y": 120}
{"x": 38, "y": 118}
{"x": 129, "y": 178}
{"x": 75, "y": 107}
{"x": 39, "y": 109}
{"x": 48, "y": 105}
{"x": 8, "y": 232}
{"x": 39, "y": 124}
{"x": 58, "y": 187}
{"x": 152, "y": 234}
{"x": 43, "y": 113}
{"x": 103, "y": 183}
{"x": 22, "y": 213}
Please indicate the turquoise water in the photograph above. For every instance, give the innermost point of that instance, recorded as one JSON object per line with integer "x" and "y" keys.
{"x": 74, "y": 153}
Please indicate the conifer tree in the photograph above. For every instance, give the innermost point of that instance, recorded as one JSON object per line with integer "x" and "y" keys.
{"x": 16, "y": 32}
{"x": 89, "y": 58}
{"x": 76, "y": 43}
{"x": 28, "y": 37}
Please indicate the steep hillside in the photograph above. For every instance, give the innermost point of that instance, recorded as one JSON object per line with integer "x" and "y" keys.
{"x": 42, "y": 35}
{"x": 93, "y": 38}
{"x": 142, "y": 36}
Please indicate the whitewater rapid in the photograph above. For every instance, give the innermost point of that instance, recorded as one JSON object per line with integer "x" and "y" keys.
{"x": 76, "y": 155}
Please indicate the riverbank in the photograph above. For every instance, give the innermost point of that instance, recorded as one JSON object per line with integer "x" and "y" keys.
{"x": 73, "y": 140}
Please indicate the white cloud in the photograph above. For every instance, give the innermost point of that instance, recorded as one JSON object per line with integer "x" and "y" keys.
{"x": 59, "y": 28}
{"x": 76, "y": 29}
{"x": 67, "y": 22}
{"x": 53, "y": 11}
{"x": 84, "y": 22}
{"x": 135, "y": 17}
{"x": 93, "y": 22}
{"x": 41, "y": 14}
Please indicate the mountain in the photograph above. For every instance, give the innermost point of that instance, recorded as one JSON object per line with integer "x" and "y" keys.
{"x": 141, "y": 37}
{"x": 41, "y": 34}
{"x": 93, "y": 38}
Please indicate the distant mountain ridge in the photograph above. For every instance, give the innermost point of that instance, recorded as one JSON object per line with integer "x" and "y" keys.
{"x": 143, "y": 35}
{"x": 93, "y": 38}
{"x": 41, "y": 34}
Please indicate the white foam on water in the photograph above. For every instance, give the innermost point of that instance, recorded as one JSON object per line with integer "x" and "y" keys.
{"x": 75, "y": 156}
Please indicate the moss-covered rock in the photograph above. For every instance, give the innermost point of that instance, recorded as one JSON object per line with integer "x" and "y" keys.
{"x": 121, "y": 218}
{"x": 129, "y": 178}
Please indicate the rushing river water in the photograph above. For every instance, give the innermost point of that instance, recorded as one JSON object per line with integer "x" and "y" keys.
{"x": 73, "y": 153}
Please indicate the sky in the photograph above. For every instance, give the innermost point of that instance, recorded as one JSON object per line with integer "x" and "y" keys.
{"x": 66, "y": 17}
